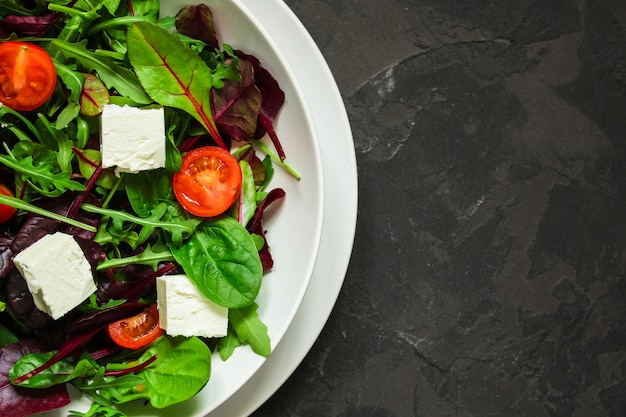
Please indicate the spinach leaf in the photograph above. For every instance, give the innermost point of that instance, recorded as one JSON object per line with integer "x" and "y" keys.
{"x": 221, "y": 259}
{"x": 99, "y": 410}
{"x": 19, "y": 402}
{"x": 61, "y": 372}
{"x": 142, "y": 192}
{"x": 182, "y": 368}
{"x": 250, "y": 329}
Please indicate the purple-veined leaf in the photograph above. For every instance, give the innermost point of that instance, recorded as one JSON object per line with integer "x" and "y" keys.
{"x": 20, "y": 402}
{"x": 93, "y": 96}
{"x": 196, "y": 21}
{"x": 237, "y": 104}
{"x": 24, "y": 26}
{"x": 172, "y": 74}
{"x": 256, "y": 225}
{"x": 273, "y": 100}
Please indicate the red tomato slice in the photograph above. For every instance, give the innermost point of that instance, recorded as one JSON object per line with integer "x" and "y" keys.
{"x": 6, "y": 212}
{"x": 208, "y": 182}
{"x": 27, "y": 75}
{"x": 137, "y": 331}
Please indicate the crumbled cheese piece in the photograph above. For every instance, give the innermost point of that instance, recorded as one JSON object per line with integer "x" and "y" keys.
{"x": 57, "y": 273}
{"x": 185, "y": 311}
{"x": 132, "y": 139}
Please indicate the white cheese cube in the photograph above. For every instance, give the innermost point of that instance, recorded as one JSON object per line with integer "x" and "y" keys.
{"x": 185, "y": 311}
{"x": 57, "y": 273}
{"x": 132, "y": 139}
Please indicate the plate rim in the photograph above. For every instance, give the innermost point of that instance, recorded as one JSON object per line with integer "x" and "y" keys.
{"x": 284, "y": 360}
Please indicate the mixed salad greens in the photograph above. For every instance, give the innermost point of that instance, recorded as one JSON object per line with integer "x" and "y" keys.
{"x": 61, "y": 63}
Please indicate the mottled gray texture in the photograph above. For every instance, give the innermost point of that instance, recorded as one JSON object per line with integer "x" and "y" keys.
{"x": 488, "y": 273}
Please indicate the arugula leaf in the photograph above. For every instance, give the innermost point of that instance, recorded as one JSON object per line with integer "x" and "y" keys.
{"x": 40, "y": 177}
{"x": 221, "y": 259}
{"x": 250, "y": 329}
{"x": 73, "y": 81}
{"x": 113, "y": 75}
{"x": 57, "y": 139}
{"x": 23, "y": 205}
{"x": 111, "y": 5}
{"x": 6, "y": 111}
{"x": 172, "y": 74}
{"x": 151, "y": 256}
{"x": 178, "y": 230}
{"x": 228, "y": 344}
{"x": 17, "y": 8}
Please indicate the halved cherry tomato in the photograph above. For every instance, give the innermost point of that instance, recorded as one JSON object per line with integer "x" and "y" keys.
{"x": 6, "y": 212}
{"x": 208, "y": 181}
{"x": 137, "y": 331}
{"x": 27, "y": 75}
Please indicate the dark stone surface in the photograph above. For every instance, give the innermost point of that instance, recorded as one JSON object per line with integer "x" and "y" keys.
{"x": 488, "y": 272}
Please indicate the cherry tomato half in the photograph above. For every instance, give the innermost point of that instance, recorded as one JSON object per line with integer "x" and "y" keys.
{"x": 208, "y": 182}
{"x": 137, "y": 331}
{"x": 27, "y": 75}
{"x": 6, "y": 212}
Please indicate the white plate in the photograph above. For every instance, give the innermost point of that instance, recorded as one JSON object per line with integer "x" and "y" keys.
{"x": 294, "y": 225}
{"x": 340, "y": 205}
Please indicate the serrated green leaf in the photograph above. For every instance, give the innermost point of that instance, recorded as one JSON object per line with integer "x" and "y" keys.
{"x": 250, "y": 329}
{"x": 113, "y": 75}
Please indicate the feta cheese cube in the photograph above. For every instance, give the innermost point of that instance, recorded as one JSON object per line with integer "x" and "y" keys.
{"x": 57, "y": 273}
{"x": 185, "y": 311}
{"x": 132, "y": 139}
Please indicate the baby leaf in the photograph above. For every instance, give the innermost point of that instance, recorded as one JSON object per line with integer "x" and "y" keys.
{"x": 94, "y": 96}
{"x": 17, "y": 402}
{"x": 237, "y": 104}
{"x": 40, "y": 177}
{"x": 250, "y": 328}
{"x": 222, "y": 260}
{"x": 112, "y": 74}
{"x": 228, "y": 344}
{"x": 182, "y": 368}
{"x": 172, "y": 74}
{"x": 73, "y": 81}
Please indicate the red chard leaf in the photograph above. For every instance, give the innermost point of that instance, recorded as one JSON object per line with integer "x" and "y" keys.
{"x": 273, "y": 100}
{"x": 196, "y": 21}
{"x": 22, "y": 402}
{"x": 172, "y": 74}
{"x": 256, "y": 225}
{"x": 94, "y": 96}
{"x": 236, "y": 105}
{"x": 25, "y": 26}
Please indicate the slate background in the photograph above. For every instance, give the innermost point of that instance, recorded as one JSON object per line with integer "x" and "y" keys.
{"x": 488, "y": 272}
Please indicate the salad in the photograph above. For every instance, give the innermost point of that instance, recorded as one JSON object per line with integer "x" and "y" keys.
{"x": 132, "y": 172}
